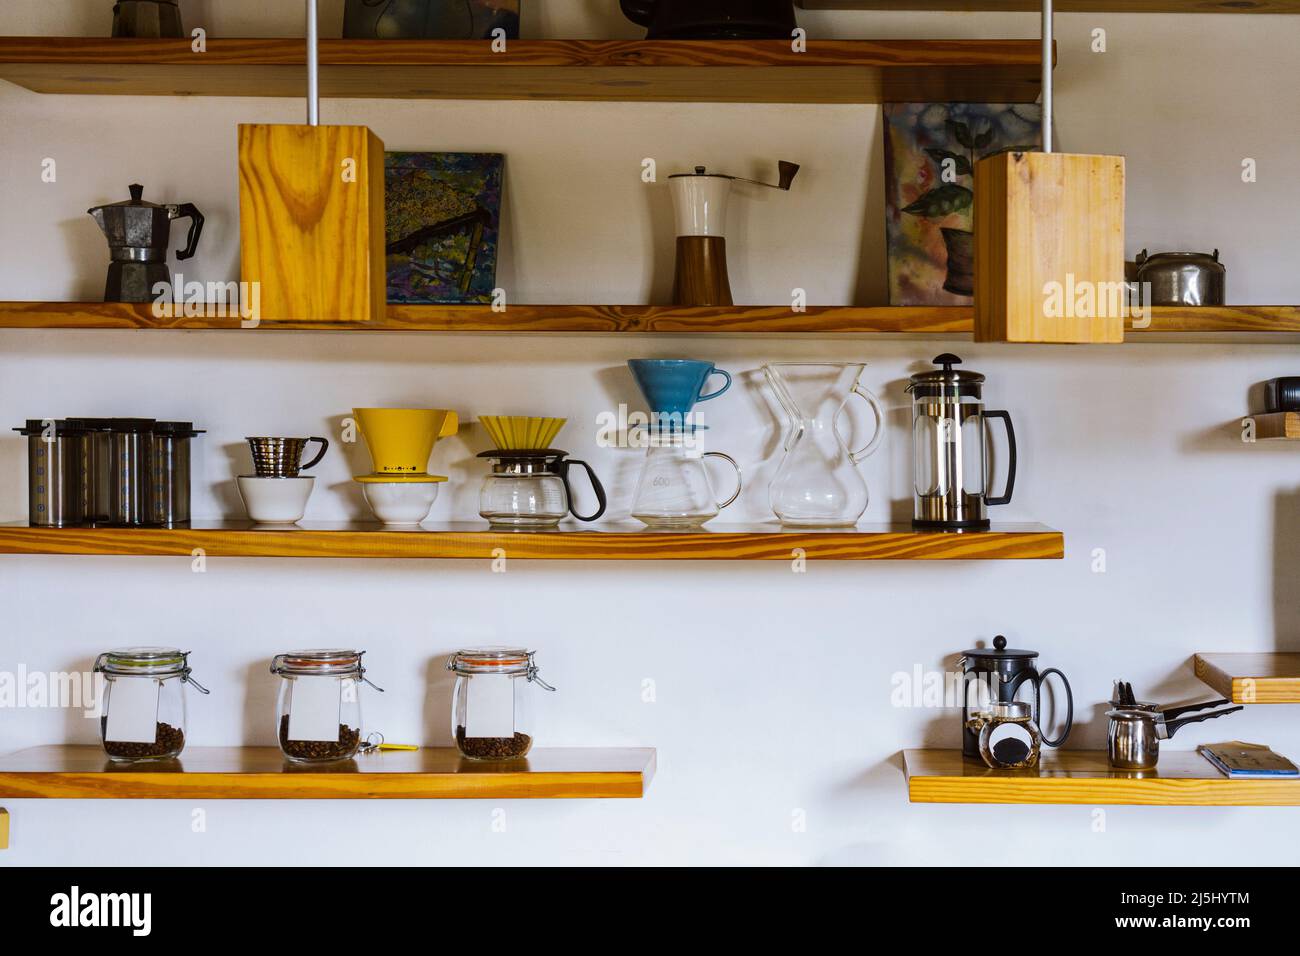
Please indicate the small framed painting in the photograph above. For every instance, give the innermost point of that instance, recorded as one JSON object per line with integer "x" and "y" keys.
{"x": 442, "y": 224}
{"x": 930, "y": 153}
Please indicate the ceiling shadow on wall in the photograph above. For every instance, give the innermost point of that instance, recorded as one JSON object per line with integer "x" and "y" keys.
{"x": 1286, "y": 570}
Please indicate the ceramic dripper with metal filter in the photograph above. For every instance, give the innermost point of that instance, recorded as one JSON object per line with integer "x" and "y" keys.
{"x": 700, "y": 207}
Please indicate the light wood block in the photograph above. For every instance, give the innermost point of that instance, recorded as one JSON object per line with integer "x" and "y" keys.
{"x": 613, "y": 542}
{"x": 257, "y": 773}
{"x": 725, "y": 71}
{"x": 4, "y": 829}
{"x": 1257, "y": 324}
{"x": 1277, "y": 426}
{"x": 311, "y": 221}
{"x": 1252, "y": 678}
{"x": 1183, "y": 778}
{"x": 1044, "y": 222}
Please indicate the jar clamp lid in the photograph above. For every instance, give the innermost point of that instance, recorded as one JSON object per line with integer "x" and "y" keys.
{"x": 160, "y": 662}
{"x": 332, "y": 662}
{"x": 470, "y": 661}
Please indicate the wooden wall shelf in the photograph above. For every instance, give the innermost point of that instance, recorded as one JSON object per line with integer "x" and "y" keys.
{"x": 1064, "y": 6}
{"x": 256, "y": 773}
{"x": 615, "y": 542}
{"x": 738, "y": 71}
{"x": 1277, "y": 426}
{"x": 1183, "y": 778}
{"x": 1252, "y": 678}
{"x": 1261, "y": 323}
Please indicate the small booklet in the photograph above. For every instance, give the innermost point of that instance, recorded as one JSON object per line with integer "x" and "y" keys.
{"x": 1237, "y": 760}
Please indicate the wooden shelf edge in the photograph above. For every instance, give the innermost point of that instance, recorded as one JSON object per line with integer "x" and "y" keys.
{"x": 755, "y": 71}
{"x": 1275, "y": 426}
{"x": 261, "y": 773}
{"x": 471, "y": 541}
{"x": 1252, "y": 678}
{"x": 1070, "y": 777}
{"x": 1270, "y": 323}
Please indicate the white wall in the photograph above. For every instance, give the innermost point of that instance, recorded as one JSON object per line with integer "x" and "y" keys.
{"x": 773, "y": 689}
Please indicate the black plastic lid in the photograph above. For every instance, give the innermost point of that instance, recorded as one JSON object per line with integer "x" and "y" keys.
{"x": 177, "y": 429}
{"x": 132, "y": 424}
{"x": 999, "y": 651}
{"x": 36, "y": 426}
{"x": 518, "y": 454}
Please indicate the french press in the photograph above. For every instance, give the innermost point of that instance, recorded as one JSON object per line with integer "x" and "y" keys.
{"x": 138, "y": 234}
{"x": 1002, "y": 672}
{"x": 948, "y": 447}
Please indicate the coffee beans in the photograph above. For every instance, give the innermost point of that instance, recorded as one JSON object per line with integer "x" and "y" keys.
{"x": 168, "y": 742}
{"x": 493, "y": 748}
{"x": 348, "y": 742}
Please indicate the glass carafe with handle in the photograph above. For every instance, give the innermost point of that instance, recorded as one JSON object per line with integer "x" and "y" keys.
{"x": 674, "y": 490}
{"x": 818, "y": 483}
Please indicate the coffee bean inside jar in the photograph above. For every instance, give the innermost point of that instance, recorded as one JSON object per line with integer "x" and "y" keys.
{"x": 320, "y": 750}
{"x": 493, "y": 748}
{"x": 169, "y": 742}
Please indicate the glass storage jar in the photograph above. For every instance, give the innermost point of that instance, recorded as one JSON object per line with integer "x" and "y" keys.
{"x": 490, "y": 708}
{"x": 143, "y": 711}
{"x": 318, "y": 712}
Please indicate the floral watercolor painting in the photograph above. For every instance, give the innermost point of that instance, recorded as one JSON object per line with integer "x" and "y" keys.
{"x": 442, "y": 223}
{"x": 930, "y": 153}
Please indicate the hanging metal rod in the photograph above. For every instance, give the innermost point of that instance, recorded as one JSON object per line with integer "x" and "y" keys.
{"x": 1047, "y": 76}
{"x": 313, "y": 67}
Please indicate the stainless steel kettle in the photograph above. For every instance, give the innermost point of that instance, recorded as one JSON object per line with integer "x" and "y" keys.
{"x": 138, "y": 234}
{"x": 1182, "y": 278}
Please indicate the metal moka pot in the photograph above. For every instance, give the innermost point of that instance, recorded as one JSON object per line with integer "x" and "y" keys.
{"x": 138, "y": 234}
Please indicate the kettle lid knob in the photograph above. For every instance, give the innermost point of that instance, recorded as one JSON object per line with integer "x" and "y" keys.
{"x": 137, "y": 191}
{"x": 1000, "y": 643}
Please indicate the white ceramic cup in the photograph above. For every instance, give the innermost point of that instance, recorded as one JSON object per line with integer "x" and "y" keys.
{"x": 401, "y": 502}
{"x": 275, "y": 500}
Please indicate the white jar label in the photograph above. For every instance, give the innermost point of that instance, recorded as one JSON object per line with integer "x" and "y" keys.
{"x": 314, "y": 708}
{"x": 490, "y": 707}
{"x": 133, "y": 710}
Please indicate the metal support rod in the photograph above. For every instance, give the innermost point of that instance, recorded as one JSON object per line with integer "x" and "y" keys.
{"x": 1047, "y": 76}
{"x": 313, "y": 67}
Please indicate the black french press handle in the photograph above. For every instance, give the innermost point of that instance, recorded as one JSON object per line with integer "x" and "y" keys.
{"x": 1069, "y": 705}
{"x": 561, "y": 467}
{"x": 1005, "y": 497}
{"x": 187, "y": 210}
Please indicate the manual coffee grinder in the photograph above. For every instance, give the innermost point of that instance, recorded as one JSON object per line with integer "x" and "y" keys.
{"x": 700, "y": 207}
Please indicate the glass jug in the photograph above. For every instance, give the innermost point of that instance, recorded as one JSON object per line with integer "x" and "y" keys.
{"x": 818, "y": 484}
{"x": 530, "y": 489}
{"x": 674, "y": 489}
